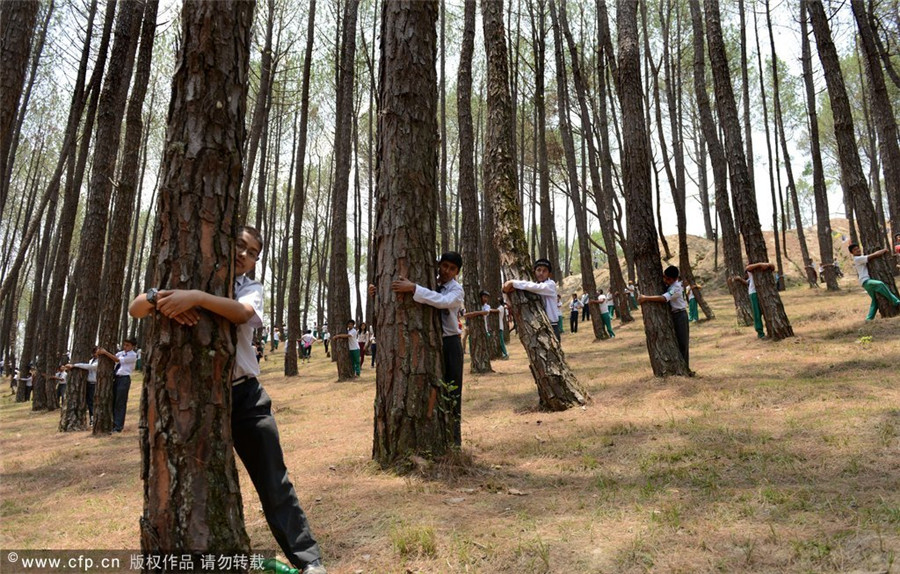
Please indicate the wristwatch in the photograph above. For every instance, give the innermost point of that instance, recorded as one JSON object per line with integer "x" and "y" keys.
{"x": 151, "y": 295}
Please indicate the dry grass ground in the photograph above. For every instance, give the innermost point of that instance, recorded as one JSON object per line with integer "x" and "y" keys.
{"x": 777, "y": 457}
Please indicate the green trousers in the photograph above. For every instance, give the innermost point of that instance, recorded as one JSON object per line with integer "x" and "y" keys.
{"x": 693, "y": 315}
{"x": 607, "y": 323}
{"x": 872, "y": 287}
{"x": 757, "y": 315}
{"x": 354, "y": 361}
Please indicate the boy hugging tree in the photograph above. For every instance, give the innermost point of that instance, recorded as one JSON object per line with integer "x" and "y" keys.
{"x": 872, "y": 286}
{"x": 674, "y": 296}
{"x": 253, "y": 428}
{"x": 544, "y": 286}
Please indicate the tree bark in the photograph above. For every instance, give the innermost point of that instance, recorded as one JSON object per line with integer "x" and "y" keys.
{"x": 412, "y": 414}
{"x": 885, "y": 122}
{"x": 560, "y": 28}
{"x": 479, "y": 353}
{"x": 558, "y": 388}
{"x": 17, "y": 20}
{"x": 777, "y": 323}
{"x": 111, "y": 109}
{"x": 665, "y": 357}
{"x": 290, "y": 360}
{"x": 191, "y": 495}
{"x": 730, "y": 241}
{"x": 851, "y": 169}
{"x": 338, "y": 284}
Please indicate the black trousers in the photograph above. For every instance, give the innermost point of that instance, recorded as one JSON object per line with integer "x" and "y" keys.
{"x": 257, "y": 444}
{"x": 585, "y": 312}
{"x": 683, "y": 334}
{"x": 91, "y": 389}
{"x": 121, "y": 386}
{"x": 453, "y": 375}
{"x": 573, "y": 322}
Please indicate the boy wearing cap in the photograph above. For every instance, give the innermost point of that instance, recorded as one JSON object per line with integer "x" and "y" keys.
{"x": 449, "y": 299}
{"x": 674, "y": 296}
{"x": 872, "y": 286}
{"x": 543, "y": 286}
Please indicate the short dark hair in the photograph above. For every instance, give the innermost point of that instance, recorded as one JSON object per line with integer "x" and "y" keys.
{"x": 452, "y": 257}
{"x": 852, "y": 246}
{"x": 131, "y": 340}
{"x": 254, "y": 232}
{"x": 671, "y": 272}
{"x": 543, "y": 263}
{"x": 484, "y": 294}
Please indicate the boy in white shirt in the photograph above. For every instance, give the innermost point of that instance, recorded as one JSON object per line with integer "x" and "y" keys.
{"x": 353, "y": 345}
{"x": 544, "y": 286}
{"x": 127, "y": 360}
{"x": 574, "y": 307}
{"x": 306, "y": 342}
{"x": 674, "y": 296}
{"x": 751, "y": 290}
{"x": 872, "y": 286}
{"x": 603, "y": 302}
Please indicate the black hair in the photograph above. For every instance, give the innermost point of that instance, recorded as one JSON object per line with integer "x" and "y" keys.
{"x": 452, "y": 257}
{"x": 543, "y": 263}
{"x": 852, "y": 246}
{"x": 254, "y": 232}
{"x": 131, "y": 340}
{"x": 484, "y": 294}
{"x": 671, "y": 272}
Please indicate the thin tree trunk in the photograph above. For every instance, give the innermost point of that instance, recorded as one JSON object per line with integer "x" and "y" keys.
{"x": 111, "y": 110}
{"x": 851, "y": 170}
{"x": 665, "y": 356}
{"x": 300, "y": 181}
{"x": 412, "y": 414}
{"x": 479, "y": 355}
{"x": 823, "y": 219}
{"x": 339, "y": 286}
{"x": 777, "y": 323}
{"x": 191, "y": 495}
{"x": 885, "y": 122}
{"x": 557, "y": 386}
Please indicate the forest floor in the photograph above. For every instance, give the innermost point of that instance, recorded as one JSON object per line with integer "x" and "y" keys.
{"x": 777, "y": 457}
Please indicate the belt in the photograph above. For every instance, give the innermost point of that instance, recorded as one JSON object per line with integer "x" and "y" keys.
{"x": 677, "y": 311}
{"x": 240, "y": 380}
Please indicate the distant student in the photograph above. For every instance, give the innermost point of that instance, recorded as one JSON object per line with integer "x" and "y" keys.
{"x": 127, "y": 360}
{"x": 28, "y": 379}
{"x": 585, "y": 307}
{"x": 693, "y": 313}
{"x": 674, "y": 296}
{"x": 326, "y": 340}
{"x": 276, "y": 337}
{"x": 352, "y": 336}
{"x": 897, "y": 244}
{"x": 603, "y": 302}
{"x": 574, "y": 307}
{"x": 60, "y": 377}
{"x": 631, "y": 291}
{"x": 872, "y": 286}
{"x": 373, "y": 346}
{"x": 91, "y": 368}
{"x": 362, "y": 339}
{"x": 559, "y": 306}
{"x": 306, "y": 343}
{"x": 544, "y": 286}
{"x": 449, "y": 299}
{"x": 747, "y": 280}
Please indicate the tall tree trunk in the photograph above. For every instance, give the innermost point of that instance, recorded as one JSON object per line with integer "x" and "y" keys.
{"x": 191, "y": 495}
{"x": 339, "y": 286}
{"x": 605, "y": 208}
{"x": 114, "y": 266}
{"x": 110, "y": 109}
{"x": 548, "y": 248}
{"x": 560, "y": 28}
{"x": 851, "y": 169}
{"x": 792, "y": 189}
{"x": 823, "y": 218}
{"x": 665, "y": 356}
{"x": 777, "y": 323}
{"x": 17, "y": 20}
{"x": 557, "y": 386}
{"x": 773, "y": 165}
{"x": 260, "y": 115}
{"x": 479, "y": 355}
{"x": 290, "y": 359}
{"x": 676, "y": 178}
{"x": 445, "y": 231}
{"x": 885, "y": 122}
{"x": 412, "y": 416}
{"x": 745, "y": 91}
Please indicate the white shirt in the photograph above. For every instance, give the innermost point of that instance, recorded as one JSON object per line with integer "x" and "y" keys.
{"x": 861, "y": 262}
{"x": 751, "y": 285}
{"x": 575, "y": 305}
{"x": 250, "y": 292}
{"x": 91, "y": 368}
{"x": 352, "y": 343}
{"x": 127, "y": 360}
{"x": 62, "y": 376}
{"x": 675, "y": 296}
{"x": 306, "y": 339}
{"x": 326, "y": 335}
{"x": 547, "y": 291}
{"x": 604, "y": 304}
{"x": 362, "y": 338}
{"x": 449, "y": 299}
{"x": 689, "y": 292}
